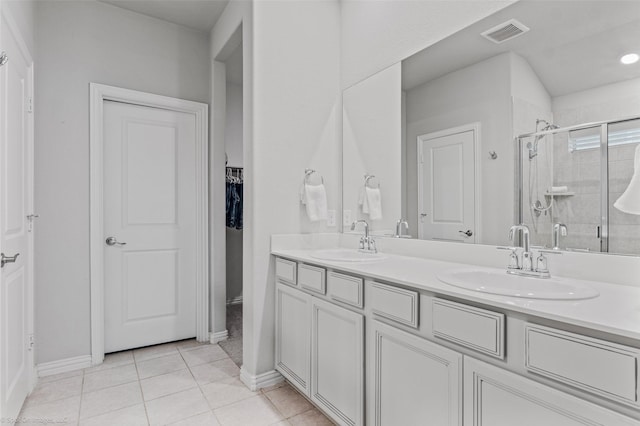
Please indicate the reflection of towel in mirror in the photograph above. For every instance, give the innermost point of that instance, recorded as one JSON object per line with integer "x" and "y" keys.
{"x": 373, "y": 202}
{"x": 362, "y": 200}
{"x": 314, "y": 197}
{"x": 629, "y": 201}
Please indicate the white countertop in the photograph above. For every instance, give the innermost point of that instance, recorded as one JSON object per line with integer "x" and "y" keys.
{"x": 615, "y": 311}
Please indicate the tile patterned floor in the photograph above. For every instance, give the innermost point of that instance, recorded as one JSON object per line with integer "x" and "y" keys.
{"x": 181, "y": 383}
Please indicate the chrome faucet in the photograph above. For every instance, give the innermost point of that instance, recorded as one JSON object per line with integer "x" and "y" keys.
{"x": 558, "y": 229}
{"x": 367, "y": 243}
{"x": 524, "y": 265}
{"x": 402, "y": 229}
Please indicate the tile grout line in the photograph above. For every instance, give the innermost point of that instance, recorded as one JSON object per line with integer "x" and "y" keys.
{"x": 84, "y": 374}
{"x": 211, "y": 409}
{"x": 144, "y": 403}
{"x": 81, "y": 398}
{"x": 284, "y": 418}
{"x": 197, "y": 385}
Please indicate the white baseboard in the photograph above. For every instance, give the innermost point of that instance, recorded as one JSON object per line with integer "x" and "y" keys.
{"x": 235, "y": 301}
{"x": 218, "y": 336}
{"x": 260, "y": 381}
{"x": 63, "y": 365}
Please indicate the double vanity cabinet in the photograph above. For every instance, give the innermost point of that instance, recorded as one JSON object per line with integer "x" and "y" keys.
{"x": 378, "y": 352}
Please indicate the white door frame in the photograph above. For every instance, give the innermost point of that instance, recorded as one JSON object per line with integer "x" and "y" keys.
{"x": 475, "y": 127}
{"x": 98, "y": 94}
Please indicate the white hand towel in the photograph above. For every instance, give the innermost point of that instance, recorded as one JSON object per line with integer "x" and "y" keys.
{"x": 374, "y": 203}
{"x": 362, "y": 200}
{"x": 629, "y": 201}
{"x": 315, "y": 199}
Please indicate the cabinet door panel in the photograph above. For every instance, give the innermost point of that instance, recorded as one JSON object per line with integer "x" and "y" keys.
{"x": 337, "y": 362}
{"x": 412, "y": 381}
{"x": 293, "y": 322}
{"x": 495, "y": 397}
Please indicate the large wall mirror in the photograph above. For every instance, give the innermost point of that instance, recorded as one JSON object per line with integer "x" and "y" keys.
{"x": 525, "y": 116}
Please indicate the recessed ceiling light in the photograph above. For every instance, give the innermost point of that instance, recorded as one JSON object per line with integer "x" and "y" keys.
{"x": 630, "y": 58}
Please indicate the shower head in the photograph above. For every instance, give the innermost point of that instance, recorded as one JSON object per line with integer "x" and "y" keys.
{"x": 533, "y": 147}
{"x": 547, "y": 125}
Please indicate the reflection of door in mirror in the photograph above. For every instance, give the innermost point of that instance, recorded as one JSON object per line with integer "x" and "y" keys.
{"x": 446, "y": 185}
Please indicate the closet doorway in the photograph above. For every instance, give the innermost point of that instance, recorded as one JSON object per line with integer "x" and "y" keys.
{"x": 231, "y": 60}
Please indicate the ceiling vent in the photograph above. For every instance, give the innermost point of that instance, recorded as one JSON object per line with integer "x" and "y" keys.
{"x": 505, "y": 31}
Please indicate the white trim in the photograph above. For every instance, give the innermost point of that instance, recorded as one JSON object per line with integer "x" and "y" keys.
{"x": 98, "y": 94}
{"x": 235, "y": 301}
{"x": 260, "y": 381}
{"x": 218, "y": 336}
{"x": 477, "y": 144}
{"x": 63, "y": 365}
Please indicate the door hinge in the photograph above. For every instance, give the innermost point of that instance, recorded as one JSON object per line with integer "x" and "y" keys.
{"x": 31, "y": 341}
{"x": 29, "y": 104}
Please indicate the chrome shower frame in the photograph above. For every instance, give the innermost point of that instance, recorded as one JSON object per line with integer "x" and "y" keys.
{"x": 604, "y": 170}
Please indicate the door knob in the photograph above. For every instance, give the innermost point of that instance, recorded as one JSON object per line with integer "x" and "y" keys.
{"x": 112, "y": 241}
{"x": 468, "y": 232}
{"x": 7, "y": 259}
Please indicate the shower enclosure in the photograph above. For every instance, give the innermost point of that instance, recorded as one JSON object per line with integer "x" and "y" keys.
{"x": 576, "y": 188}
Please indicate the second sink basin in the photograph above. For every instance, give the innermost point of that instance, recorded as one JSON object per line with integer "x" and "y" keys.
{"x": 499, "y": 282}
{"x": 346, "y": 255}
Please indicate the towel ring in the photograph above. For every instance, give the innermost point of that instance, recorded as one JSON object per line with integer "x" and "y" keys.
{"x": 311, "y": 177}
{"x": 371, "y": 181}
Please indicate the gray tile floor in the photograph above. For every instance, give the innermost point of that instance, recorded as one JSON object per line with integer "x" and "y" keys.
{"x": 180, "y": 383}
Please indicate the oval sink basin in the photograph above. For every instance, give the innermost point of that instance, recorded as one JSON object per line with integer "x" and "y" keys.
{"x": 346, "y": 255}
{"x": 499, "y": 282}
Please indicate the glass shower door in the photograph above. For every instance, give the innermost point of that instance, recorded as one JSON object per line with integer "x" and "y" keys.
{"x": 624, "y": 189}
{"x": 577, "y": 190}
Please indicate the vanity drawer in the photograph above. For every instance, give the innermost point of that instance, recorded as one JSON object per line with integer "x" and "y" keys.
{"x": 345, "y": 289}
{"x": 312, "y": 278}
{"x": 286, "y": 270}
{"x": 395, "y": 303}
{"x": 593, "y": 365}
{"x": 474, "y": 328}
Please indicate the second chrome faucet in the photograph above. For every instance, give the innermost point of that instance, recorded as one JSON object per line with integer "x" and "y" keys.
{"x": 367, "y": 243}
{"x": 524, "y": 264}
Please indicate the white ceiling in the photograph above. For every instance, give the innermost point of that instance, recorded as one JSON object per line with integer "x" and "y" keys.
{"x": 572, "y": 45}
{"x": 197, "y": 14}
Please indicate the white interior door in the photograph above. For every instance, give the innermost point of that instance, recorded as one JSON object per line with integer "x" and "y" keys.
{"x": 16, "y": 201}
{"x": 150, "y": 212}
{"x": 446, "y": 186}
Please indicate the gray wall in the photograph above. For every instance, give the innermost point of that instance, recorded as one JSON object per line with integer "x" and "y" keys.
{"x": 23, "y": 12}
{"x": 79, "y": 42}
